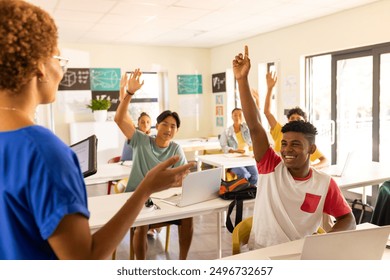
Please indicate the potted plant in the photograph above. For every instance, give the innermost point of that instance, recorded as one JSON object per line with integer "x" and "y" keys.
{"x": 99, "y": 107}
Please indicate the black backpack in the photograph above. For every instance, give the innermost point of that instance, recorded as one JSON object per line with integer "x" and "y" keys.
{"x": 237, "y": 190}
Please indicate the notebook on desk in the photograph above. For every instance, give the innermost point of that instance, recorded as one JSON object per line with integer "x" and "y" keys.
{"x": 197, "y": 187}
{"x": 362, "y": 244}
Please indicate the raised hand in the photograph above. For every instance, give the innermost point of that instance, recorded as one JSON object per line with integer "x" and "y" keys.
{"x": 241, "y": 65}
{"x": 271, "y": 79}
{"x": 134, "y": 83}
{"x": 122, "y": 87}
{"x": 255, "y": 95}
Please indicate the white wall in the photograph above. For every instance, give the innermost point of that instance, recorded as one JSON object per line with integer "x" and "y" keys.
{"x": 362, "y": 26}
{"x": 174, "y": 61}
{"x": 367, "y": 25}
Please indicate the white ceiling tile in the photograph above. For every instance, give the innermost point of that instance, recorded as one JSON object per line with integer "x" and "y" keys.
{"x": 183, "y": 13}
{"x": 211, "y": 4}
{"x": 141, "y": 9}
{"x": 80, "y": 16}
{"x": 87, "y": 5}
{"x": 189, "y": 23}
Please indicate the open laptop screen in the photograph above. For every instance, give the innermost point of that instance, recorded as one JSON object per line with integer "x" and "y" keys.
{"x": 86, "y": 151}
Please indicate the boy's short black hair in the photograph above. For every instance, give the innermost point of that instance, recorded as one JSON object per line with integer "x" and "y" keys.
{"x": 309, "y": 130}
{"x": 169, "y": 113}
{"x": 298, "y": 111}
{"x": 236, "y": 109}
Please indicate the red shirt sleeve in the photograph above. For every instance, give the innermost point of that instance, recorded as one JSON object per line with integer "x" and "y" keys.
{"x": 268, "y": 162}
{"x": 335, "y": 204}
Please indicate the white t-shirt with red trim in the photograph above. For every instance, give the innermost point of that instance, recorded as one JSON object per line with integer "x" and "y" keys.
{"x": 288, "y": 208}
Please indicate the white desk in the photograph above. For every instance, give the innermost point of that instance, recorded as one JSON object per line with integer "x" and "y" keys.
{"x": 293, "y": 247}
{"x": 363, "y": 174}
{"x": 103, "y": 208}
{"x": 198, "y": 144}
{"x": 226, "y": 161}
{"x": 109, "y": 172}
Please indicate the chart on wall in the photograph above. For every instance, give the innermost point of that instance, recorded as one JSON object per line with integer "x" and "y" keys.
{"x": 189, "y": 84}
{"x": 76, "y": 79}
{"x": 218, "y": 82}
{"x": 219, "y": 120}
{"x": 80, "y": 85}
{"x": 105, "y": 84}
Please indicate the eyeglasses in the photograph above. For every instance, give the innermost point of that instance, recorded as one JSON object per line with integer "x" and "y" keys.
{"x": 63, "y": 62}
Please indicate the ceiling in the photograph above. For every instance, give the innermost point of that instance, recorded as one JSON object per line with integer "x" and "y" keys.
{"x": 182, "y": 23}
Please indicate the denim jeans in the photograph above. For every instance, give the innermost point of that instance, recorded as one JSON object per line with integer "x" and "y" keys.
{"x": 248, "y": 172}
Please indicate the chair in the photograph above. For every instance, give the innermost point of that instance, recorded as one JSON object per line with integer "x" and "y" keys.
{"x": 110, "y": 183}
{"x": 381, "y": 216}
{"x": 241, "y": 234}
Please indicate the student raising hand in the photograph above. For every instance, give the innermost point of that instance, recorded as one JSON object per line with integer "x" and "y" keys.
{"x": 241, "y": 65}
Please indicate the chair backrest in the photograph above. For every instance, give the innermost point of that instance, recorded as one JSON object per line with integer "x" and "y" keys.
{"x": 127, "y": 152}
{"x": 381, "y": 216}
{"x": 241, "y": 234}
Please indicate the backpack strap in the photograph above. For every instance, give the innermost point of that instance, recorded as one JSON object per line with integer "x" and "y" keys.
{"x": 239, "y": 206}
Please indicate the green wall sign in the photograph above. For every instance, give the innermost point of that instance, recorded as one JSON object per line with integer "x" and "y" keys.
{"x": 189, "y": 84}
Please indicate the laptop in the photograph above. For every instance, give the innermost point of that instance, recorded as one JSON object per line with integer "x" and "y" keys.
{"x": 361, "y": 244}
{"x": 338, "y": 170}
{"x": 197, "y": 187}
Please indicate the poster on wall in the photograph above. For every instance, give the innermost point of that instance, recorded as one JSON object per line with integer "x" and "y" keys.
{"x": 219, "y": 99}
{"x": 76, "y": 79}
{"x": 189, "y": 84}
{"x": 218, "y": 82}
{"x": 105, "y": 84}
{"x": 219, "y": 121}
{"x": 80, "y": 85}
{"x": 105, "y": 79}
{"x": 219, "y": 110}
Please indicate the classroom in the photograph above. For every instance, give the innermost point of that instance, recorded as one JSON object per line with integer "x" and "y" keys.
{"x": 349, "y": 44}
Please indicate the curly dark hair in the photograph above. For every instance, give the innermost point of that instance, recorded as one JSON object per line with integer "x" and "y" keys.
{"x": 298, "y": 111}
{"x": 169, "y": 113}
{"x": 28, "y": 35}
{"x": 309, "y": 130}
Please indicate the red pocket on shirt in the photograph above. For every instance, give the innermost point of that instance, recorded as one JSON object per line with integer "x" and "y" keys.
{"x": 310, "y": 203}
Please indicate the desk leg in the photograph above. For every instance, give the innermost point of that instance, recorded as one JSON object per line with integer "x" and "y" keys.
{"x": 364, "y": 197}
{"x": 219, "y": 237}
{"x": 199, "y": 165}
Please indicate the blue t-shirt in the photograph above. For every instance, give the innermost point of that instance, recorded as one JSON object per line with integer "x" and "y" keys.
{"x": 40, "y": 183}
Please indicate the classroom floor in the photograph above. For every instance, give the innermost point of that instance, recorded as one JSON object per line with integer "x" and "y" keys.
{"x": 203, "y": 246}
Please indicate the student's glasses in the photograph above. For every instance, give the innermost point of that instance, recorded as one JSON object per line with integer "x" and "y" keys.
{"x": 63, "y": 62}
